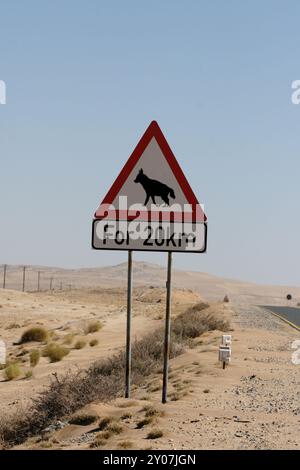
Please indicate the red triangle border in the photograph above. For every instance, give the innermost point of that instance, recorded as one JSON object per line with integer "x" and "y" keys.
{"x": 153, "y": 131}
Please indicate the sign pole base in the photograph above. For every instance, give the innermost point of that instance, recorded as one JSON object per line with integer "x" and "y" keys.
{"x": 167, "y": 330}
{"x": 128, "y": 327}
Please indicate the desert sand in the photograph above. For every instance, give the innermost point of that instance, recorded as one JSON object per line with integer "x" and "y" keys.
{"x": 253, "y": 404}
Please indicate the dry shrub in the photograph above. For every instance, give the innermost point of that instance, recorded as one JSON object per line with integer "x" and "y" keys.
{"x": 155, "y": 434}
{"x": 175, "y": 396}
{"x": 104, "y": 422}
{"x": 83, "y": 419}
{"x": 194, "y": 322}
{"x": 100, "y": 439}
{"x": 151, "y": 411}
{"x": 98, "y": 442}
{"x": 127, "y": 403}
{"x": 80, "y": 344}
{"x": 55, "y": 352}
{"x": 12, "y": 371}
{"x": 93, "y": 327}
{"x": 115, "y": 428}
{"x": 104, "y": 435}
{"x": 34, "y": 357}
{"x": 68, "y": 338}
{"x": 125, "y": 445}
{"x": 36, "y": 333}
{"x": 144, "y": 422}
{"x": 28, "y": 374}
{"x": 93, "y": 342}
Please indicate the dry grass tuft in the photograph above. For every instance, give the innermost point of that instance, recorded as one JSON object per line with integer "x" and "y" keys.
{"x": 144, "y": 422}
{"x": 83, "y": 419}
{"x": 98, "y": 442}
{"x": 28, "y": 374}
{"x": 68, "y": 339}
{"x": 126, "y": 403}
{"x": 80, "y": 344}
{"x": 34, "y": 357}
{"x": 36, "y": 333}
{"x": 175, "y": 396}
{"x": 12, "y": 371}
{"x": 93, "y": 327}
{"x": 155, "y": 434}
{"x": 125, "y": 445}
{"x": 104, "y": 422}
{"x": 100, "y": 439}
{"x": 151, "y": 411}
{"x": 55, "y": 352}
{"x": 115, "y": 428}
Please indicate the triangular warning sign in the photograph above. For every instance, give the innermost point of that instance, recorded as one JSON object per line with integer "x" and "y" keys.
{"x": 153, "y": 181}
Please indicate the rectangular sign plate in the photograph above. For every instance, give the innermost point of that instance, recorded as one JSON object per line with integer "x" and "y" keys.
{"x": 149, "y": 236}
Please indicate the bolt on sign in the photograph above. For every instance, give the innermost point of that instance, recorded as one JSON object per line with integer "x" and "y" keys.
{"x": 150, "y": 207}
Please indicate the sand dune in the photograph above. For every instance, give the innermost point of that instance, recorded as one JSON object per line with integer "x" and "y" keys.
{"x": 208, "y": 286}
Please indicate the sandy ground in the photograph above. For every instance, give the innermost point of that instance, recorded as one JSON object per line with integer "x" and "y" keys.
{"x": 253, "y": 404}
{"x": 68, "y": 312}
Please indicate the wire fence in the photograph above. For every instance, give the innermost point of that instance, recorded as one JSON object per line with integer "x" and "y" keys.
{"x": 31, "y": 279}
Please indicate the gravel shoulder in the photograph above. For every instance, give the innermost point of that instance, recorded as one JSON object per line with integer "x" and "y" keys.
{"x": 255, "y": 402}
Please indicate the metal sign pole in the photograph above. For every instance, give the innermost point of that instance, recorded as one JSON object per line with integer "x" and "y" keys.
{"x": 23, "y": 287}
{"x": 128, "y": 327}
{"x": 38, "y": 282}
{"x": 167, "y": 330}
{"x": 4, "y": 276}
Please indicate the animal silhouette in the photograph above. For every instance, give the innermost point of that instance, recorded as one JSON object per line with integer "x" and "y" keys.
{"x": 154, "y": 188}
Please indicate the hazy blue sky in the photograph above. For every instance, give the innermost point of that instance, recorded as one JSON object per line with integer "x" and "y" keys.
{"x": 85, "y": 78}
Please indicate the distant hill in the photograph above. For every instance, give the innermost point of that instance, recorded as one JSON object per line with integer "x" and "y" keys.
{"x": 210, "y": 287}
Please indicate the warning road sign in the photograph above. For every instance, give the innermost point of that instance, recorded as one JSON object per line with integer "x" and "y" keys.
{"x": 151, "y": 205}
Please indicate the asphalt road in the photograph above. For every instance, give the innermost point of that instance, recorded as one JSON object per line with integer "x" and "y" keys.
{"x": 291, "y": 314}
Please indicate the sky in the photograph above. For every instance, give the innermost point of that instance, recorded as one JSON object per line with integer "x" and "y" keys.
{"x": 85, "y": 79}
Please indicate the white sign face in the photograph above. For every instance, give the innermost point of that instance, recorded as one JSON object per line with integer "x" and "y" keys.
{"x": 226, "y": 340}
{"x": 150, "y": 206}
{"x": 154, "y": 236}
{"x": 224, "y": 353}
{"x": 2, "y": 352}
{"x": 151, "y": 183}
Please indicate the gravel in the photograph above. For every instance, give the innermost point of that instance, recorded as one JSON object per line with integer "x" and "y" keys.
{"x": 251, "y": 316}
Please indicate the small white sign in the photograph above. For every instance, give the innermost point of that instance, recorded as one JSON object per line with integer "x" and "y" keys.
{"x": 226, "y": 340}
{"x": 224, "y": 354}
{"x": 2, "y": 352}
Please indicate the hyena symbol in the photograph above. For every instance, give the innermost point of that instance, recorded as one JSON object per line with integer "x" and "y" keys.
{"x": 154, "y": 188}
